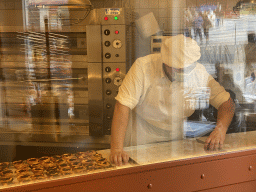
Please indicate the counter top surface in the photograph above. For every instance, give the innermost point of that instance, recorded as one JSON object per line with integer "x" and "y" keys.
{"x": 189, "y": 148}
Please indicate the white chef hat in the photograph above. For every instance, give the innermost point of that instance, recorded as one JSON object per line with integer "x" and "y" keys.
{"x": 180, "y": 51}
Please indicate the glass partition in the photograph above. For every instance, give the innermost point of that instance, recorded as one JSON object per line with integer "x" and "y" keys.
{"x": 86, "y": 84}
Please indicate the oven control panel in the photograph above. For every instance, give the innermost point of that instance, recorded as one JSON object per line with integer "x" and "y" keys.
{"x": 114, "y": 60}
{"x": 114, "y": 45}
{"x": 106, "y": 49}
{"x": 113, "y": 75}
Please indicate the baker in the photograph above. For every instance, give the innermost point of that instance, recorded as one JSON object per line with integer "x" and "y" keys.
{"x": 158, "y": 94}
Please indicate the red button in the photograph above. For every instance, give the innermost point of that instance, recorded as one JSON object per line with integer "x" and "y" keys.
{"x": 117, "y": 69}
{"x": 106, "y": 18}
{"x": 116, "y": 32}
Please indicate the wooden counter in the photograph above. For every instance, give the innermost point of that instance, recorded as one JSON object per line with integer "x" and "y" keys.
{"x": 170, "y": 166}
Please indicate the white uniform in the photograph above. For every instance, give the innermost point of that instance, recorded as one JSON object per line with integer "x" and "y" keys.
{"x": 159, "y": 106}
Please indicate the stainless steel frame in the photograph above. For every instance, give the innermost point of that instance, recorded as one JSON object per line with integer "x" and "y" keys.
{"x": 106, "y": 51}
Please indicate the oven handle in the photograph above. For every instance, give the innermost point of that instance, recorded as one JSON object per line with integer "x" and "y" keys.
{"x": 45, "y": 80}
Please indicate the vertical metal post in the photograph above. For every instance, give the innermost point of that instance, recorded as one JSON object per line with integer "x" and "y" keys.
{"x": 235, "y": 33}
{"x": 48, "y": 52}
{"x": 95, "y": 94}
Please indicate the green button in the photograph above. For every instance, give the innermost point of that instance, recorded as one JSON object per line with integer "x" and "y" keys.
{"x": 116, "y": 18}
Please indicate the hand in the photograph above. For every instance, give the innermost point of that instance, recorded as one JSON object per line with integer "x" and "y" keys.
{"x": 118, "y": 157}
{"x": 216, "y": 139}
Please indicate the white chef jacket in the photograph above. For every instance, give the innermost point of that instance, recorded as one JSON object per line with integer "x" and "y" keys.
{"x": 159, "y": 106}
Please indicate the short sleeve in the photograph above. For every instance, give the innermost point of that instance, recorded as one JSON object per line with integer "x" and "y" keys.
{"x": 132, "y": 87}
{"x": 218, "y": 93}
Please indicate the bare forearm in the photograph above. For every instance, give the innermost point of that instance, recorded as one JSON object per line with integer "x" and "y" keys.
{"x": 119, "y": 126}
{"x": 217, "y": 137}
{"x": 225, "y": 113}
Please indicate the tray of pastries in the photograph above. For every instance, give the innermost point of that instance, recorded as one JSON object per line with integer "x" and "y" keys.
{"x": 49, "y": 167}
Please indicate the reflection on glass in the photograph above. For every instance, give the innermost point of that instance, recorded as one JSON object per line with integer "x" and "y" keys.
{"x": 191, "y": 76}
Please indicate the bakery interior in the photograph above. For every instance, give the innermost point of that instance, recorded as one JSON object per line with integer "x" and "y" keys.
{"x": 59, "y": 78}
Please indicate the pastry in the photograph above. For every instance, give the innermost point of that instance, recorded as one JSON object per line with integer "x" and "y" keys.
{"x": 36, "y": 165}
{"x": 4, "y": 165}
{"x": 78, "y": 154}
{"x": 79, "y": 169}
{"x": 63, "y": 165}
{"x": 96, "y": 156}
{"x": 52, "y": 173}
{"x": 6, "y": 180}
{"x": 21, "y": 171}
{"x": 38, "y": 170}
{"x": 66, "y": 171}
{"x": 48, "y": 164}
{"x": 76, "y": 163}
{"x": 83, "y": 157}
{"x": 91, "y": 152}
{"x": 7, "y": 173}
{"x": 19, "y": 164}
{"x": 66, "y": 156}
{"x": 24, "y": 178}
{"x": 32, "y": 161}
{"x": 88, "y": 162}
{"x": 56, "y": 157}
{"x": 38, "y": 177}
{"x": 60, "y": 161}
{"x": 72, "y": 159}
{"x": 45, "y": 159}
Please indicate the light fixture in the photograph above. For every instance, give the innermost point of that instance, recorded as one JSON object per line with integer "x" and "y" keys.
{"x": 64, "y": 4}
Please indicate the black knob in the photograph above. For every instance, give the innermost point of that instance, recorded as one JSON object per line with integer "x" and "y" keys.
{"x": 108, "y": 92}
{"x": 107, "y": 69}
{"x": 108, "y": 105}
{"x": 108, "y": 80}
{"x": 106, "y": 32}
{"x": 107, "y": 43}
{"x": 107, "y": 55}
{"x": 117, "y": 55}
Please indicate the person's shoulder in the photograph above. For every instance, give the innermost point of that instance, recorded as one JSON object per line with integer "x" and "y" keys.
{"x": 148, "y": 60}
{"x": 200, "y": 67}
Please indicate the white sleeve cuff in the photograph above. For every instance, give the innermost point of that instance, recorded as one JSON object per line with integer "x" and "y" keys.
{"x": 127, "y": 101}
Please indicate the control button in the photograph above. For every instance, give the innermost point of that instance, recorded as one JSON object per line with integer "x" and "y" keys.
{"x": 116, "y": 18}
{"x": 108, "y": 80}
{"x": 107, "y": 69}
{"x": 116, "y": 32}
{"x": 105, "y": 18}
{"x": 118, "y": 81}
{"x": 106, "y": 32}
{"x": 108, "y": 105}
{"x": 107, "y": 55}
{"x": 150, "y": 186}
{"x": 117, "y": 55}
{"x": 117, "y": 44}
{"x": 107, "y": 43}
{"x": 117, "y": 69}
{"x": 108, "y": 92}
